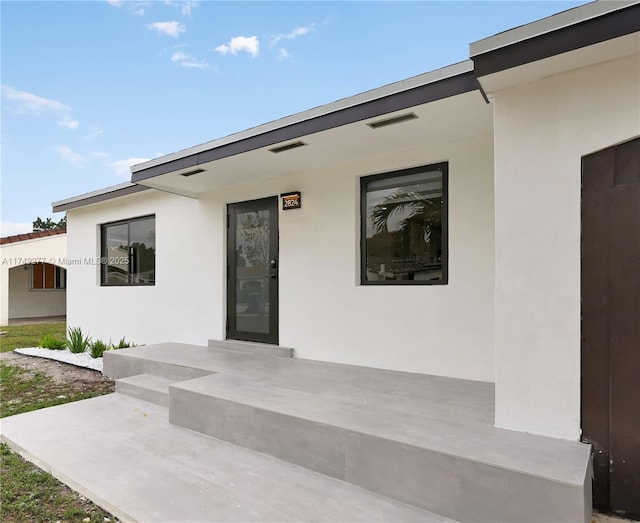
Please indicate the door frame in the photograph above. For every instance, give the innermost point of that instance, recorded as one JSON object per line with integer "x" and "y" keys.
{"x": 233, "y": 209}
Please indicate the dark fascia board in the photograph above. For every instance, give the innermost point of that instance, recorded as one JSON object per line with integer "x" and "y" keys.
{"x": 444, "y": 88}
{"x": 606, "y": 27}
{"x": 97, "y": 198}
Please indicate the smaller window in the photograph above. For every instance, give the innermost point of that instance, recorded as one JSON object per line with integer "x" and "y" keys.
{"x": 404, "y": 227}
{"x": 47, "y": 276}
{"x": 129, "y": 252}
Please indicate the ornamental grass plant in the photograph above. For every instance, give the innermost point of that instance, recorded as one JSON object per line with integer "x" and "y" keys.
{"x": 77, "y": 341}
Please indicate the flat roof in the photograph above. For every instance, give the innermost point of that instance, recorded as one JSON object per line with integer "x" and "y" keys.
{"x": 100, "y": 195}
{"x": 562, "y": 32}
{"x": 314, "y": 120}
{"x": 558, "y": 34}
{"x": 549, "y": 24}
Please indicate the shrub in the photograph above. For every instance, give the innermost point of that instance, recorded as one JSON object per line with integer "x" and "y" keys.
{"x": 77, "y": 341}
{"x": 97, "y": 348}
{"x": 49, "y": 341}
{"x": 124, "y": 344}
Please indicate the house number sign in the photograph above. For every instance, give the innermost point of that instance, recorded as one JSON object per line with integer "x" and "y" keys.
{"x": 291, "y": 200}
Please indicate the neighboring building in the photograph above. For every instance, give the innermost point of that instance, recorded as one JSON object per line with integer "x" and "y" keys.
{"x": 444, "y": 220}
{"x": 33, "y": 275}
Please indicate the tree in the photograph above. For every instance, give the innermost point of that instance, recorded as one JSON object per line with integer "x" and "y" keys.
{"x": 420, "y": 222}
{"x": 46, "y": 225}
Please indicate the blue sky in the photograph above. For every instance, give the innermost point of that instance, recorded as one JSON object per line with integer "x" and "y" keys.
{"x": 89, "y": 88}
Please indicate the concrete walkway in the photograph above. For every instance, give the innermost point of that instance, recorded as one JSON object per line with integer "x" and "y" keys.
{"x": 123, "y": 454}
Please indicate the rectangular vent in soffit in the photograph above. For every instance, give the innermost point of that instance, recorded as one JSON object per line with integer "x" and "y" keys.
{"x": 287, "y": 147}
{"x": 191, "y": 173}
{"x": 393, "y": 120}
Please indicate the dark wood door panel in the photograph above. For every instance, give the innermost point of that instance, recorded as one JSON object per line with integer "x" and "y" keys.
{"x": 625, "y": 348}
{"x": 610, "y": 281}
{"x": 597, "y": 181}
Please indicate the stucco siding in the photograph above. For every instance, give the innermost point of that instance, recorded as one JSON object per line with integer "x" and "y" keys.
{"x": 325, "y": 314}
{"x": 542, "y": 130}
{"x": 25, "y": 302}
{"x": 16, "y": 300}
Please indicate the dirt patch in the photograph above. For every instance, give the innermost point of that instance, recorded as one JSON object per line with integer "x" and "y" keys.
{"x": 76, "y": 377}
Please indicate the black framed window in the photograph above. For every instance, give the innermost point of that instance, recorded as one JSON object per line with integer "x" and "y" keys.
{"x": 404, "y": 227}
{"x": 129, "y": 252}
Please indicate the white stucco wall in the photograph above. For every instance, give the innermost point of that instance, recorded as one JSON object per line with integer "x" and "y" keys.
{"x": 542, "y": 129}
{"x": 25, "y": 302}
{"x": 324, "y": 313}
{"x": 51, "y": 249}
{"x": 181, "y": 305}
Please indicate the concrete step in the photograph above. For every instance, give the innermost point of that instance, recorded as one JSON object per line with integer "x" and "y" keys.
{"x": 472, "y": 472}
{"x": 146, "y": 387}
{"x": 151, "y": 470}
{"x": 130, "y": 362}
{"x": 255, "y": 348}
{"x": 427, "y": 441}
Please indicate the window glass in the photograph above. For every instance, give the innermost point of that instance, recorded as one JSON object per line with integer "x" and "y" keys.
{"x": 47, "y": 276}
{"x": 142, "y": 238}
{"x": 404, "y": 226}
{"x": 129, "y": 252}
{"x": 116, "y": 254}
{"x": 252, "y": 271}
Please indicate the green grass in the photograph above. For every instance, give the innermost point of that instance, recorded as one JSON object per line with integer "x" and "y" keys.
{"x": 19, "y": 336}
{"x": 30, "y": 494}
{"x": 24, "y": 391}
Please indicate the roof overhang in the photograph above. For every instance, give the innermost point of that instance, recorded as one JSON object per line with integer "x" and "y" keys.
{"x": 332, "y": 134}
{"x": 108, "y": 193}
{"x": 583, "y": 36}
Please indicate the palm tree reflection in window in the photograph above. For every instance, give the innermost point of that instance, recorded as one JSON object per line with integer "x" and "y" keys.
{"x": 407, "y": 239}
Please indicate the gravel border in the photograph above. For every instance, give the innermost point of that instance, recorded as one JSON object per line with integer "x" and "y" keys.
{"x": 65, "y": 356}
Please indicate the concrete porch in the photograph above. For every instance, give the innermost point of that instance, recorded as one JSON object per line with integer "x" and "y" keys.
{"x": 398, "y": 445}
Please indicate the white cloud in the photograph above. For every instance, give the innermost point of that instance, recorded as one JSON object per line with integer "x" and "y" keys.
{"x": 31, "y": 103}
{"x": 11, "y": 228}
{"x": 292, "y": 35}
{"x": 98, "y": 155}
{"x": 121, "y": 167}
{"x": 93, "y": 132}
{"x": 172, "y": 28}
{"x": 136, "y": 8}
{"x": 283, "y": 54}
{"x": 186, "y": 60}
{"x": 71, "y": 156}
{"x": 69, "y": 123}
{"x": 249, "y": 44}
{"x": 185, "y": 7}
{"x": 178, "y": 56}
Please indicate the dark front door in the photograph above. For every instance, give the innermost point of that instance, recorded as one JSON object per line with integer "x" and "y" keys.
{"x": 611, "y": 323}
{"x": 252, "y": 271}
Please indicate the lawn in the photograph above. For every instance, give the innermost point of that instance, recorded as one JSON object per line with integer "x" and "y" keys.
{"x": 28, "y": 493}
{"x": 26, "y": 390}
{"x": 20, "y": 336}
